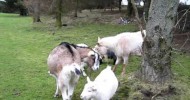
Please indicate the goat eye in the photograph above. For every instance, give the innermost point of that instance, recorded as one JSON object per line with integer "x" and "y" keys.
{"x": 93, "y": 56}
{"x": 98, "y": 44}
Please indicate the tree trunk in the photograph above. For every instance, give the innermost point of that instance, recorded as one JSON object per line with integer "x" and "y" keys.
{"x": 58, "y": 13}
{"x": 156, "y": 63}
{"x": 146, "y": 8}
{"x": 36, "y": 14}
{"x": 120, "y": 5}
{"x": 129, "y": 9}
{"x": 23, "y": 12}
{"x": 76, "y": 9}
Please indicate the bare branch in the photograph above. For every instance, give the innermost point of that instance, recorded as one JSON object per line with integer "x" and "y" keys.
{"x": 153, "y": 97}
{"x": 185, "y": 42}
{"x": 184, "y": 22}
{"x": 182, "y": 17}
{"x": 137, "y": 17}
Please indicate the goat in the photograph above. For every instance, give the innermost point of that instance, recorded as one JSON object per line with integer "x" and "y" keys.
{"x": 106, "y": 54}
{"x": 123, "y": 45}
{"x": 88, "y": 55}
{"x": 102, "y": 88}
{"x": 66, "y": 54}
{"x": 68, "y": 79}
{"x": 83, "y": 63}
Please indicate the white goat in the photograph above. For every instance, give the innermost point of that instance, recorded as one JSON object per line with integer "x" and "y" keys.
{"x": 102, "y": 88}
{"x": 105, "y": 53}
{"x": 123, "y": 45}
{"x": 64, "y": 63}
{"x": 67, "y": 80}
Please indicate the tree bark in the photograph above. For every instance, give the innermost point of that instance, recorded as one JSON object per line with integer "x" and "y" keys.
{"x": 58, "y": 13}
{"x": 36, "y": 13}
{"x": 146, "y": 8}
{"x": 156, "y": 63}
{"x": 119, "y": 5}
{"x": 76, "y": 9}
{"x": 129, "y": 9}
{"x": 139, "y": 22}
{"x": 23, "y": 12}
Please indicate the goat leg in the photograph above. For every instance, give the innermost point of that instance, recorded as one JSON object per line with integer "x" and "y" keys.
{"x": 114, "y": 68}
{"x": 124, "y": 70}
{"x": 57, "y": 90}
{"x": 116, "y": 63}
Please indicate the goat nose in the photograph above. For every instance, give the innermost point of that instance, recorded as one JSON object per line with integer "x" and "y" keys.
{"x": 81, "y": 96}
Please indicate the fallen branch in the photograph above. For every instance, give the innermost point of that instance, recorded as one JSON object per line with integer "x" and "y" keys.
{"x": 153, "y": 97}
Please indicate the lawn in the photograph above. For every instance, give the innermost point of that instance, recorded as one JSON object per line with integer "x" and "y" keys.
{"x": 24, "y": 48}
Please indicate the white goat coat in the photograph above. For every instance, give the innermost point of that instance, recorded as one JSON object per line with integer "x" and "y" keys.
{"x": 125, "y": 43}
{"x": 105, "y": 86}
{"x": 68, "y": 79}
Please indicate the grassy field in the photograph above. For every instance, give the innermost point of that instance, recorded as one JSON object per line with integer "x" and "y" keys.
{"x": 24, "y": 48}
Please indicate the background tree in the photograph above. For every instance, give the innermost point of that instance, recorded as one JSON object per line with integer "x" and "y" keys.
{"x": 156, "y": 63}
{"x": 76, "y": 7}
{"x": 34, "y": 9}
{"x": 129, "y": 9}
{"x": 22, "y": 9}
{"x": 10, "y": 6}
{"x": 13, "y": 6}
{"x": 146, "y": 8}
{"x": 58, "y": 13}
{"x": 119, "y": 4}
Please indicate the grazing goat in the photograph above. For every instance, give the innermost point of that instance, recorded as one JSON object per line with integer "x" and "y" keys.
{"x": 102, "y": 88}
{"x": 69, "y": 56}
{"x": 106, "y": 54}
{"x": 123, "y": 45}
{"x": 83, "y": 63}
{"x": 68, "y": 79}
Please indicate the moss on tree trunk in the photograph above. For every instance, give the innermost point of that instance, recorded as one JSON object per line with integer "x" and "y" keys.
{"x": 156, "y": 63}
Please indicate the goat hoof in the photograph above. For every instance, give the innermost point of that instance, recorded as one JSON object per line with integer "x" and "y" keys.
{"x": 56, "y": 95}
{"x": 84, "y": 74}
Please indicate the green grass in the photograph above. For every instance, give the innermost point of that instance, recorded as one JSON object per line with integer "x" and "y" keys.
{"x": 24, "y": 48}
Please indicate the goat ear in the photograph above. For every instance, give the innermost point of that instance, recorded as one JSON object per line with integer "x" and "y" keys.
{"x": 78, "y": 72}
{"x": 99, "y": 38}
{"x": 88, "y": 79}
